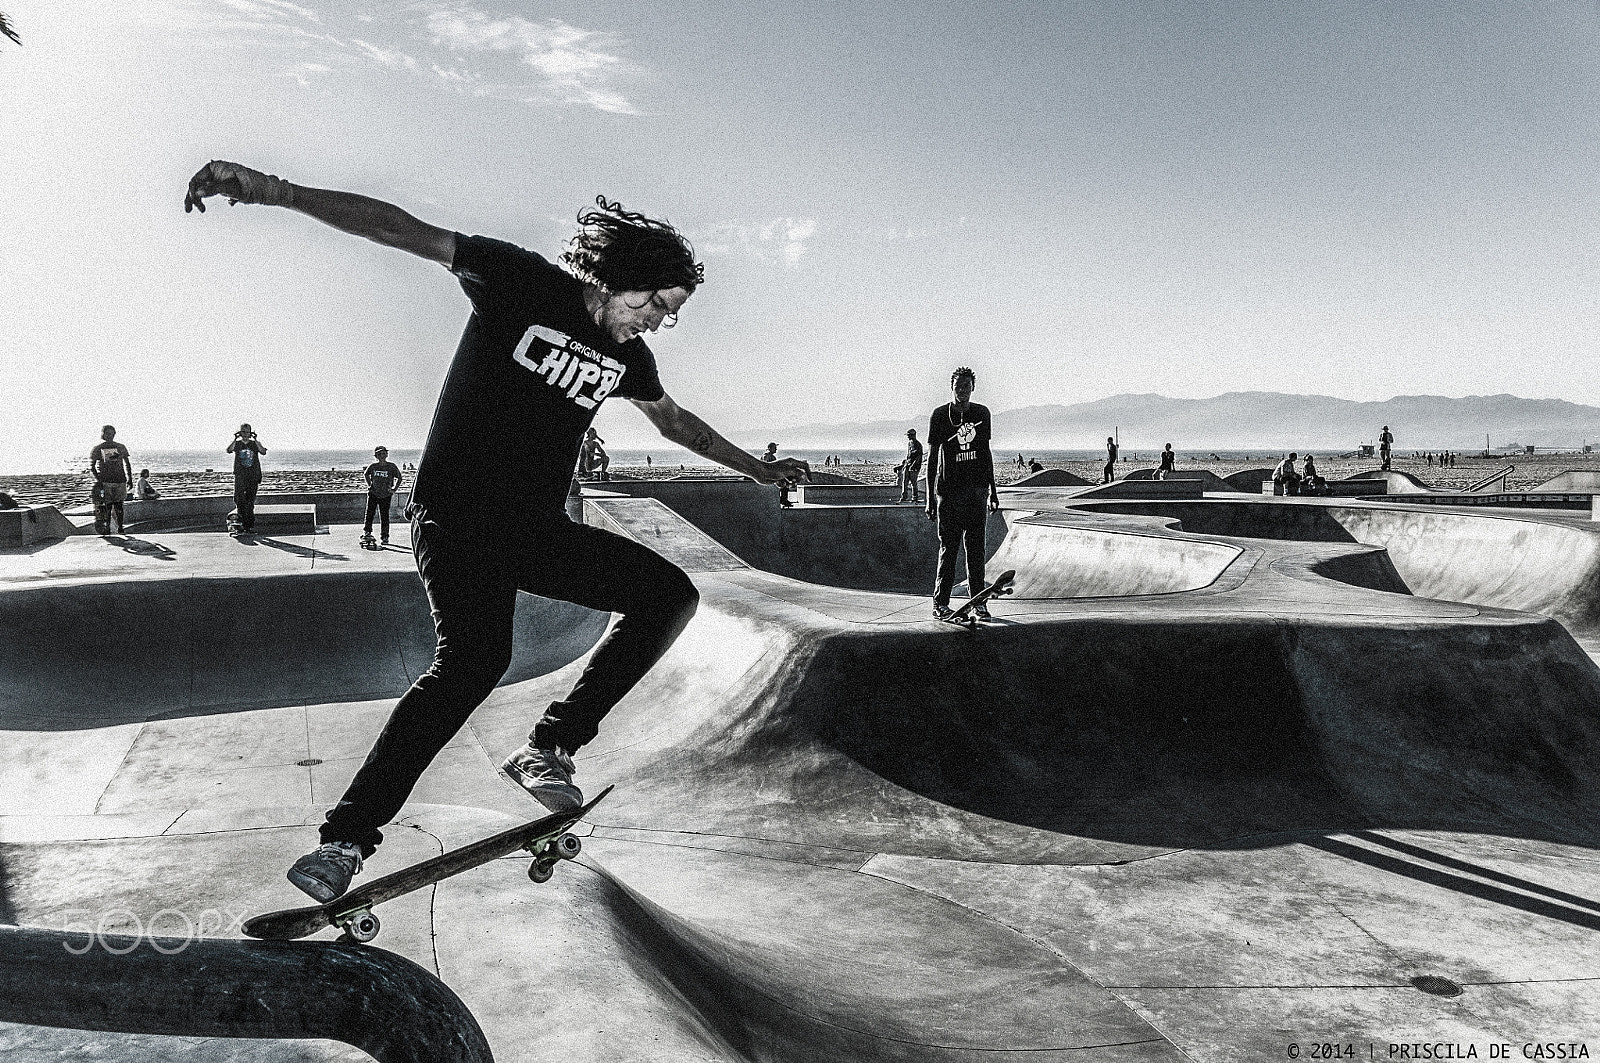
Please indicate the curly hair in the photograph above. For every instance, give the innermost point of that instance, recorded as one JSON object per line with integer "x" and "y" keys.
{"x": 624, "y": 251}
{"x": 963, "y": 371}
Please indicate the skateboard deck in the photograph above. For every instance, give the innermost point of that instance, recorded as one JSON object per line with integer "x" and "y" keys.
{"x": 546, "y": 839}
{"x": 967, "y": 614}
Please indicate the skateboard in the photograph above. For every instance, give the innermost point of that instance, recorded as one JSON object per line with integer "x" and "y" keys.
{"x": 369, "y": 543}
{"x": 967, "y": 614}
{"x": 545, "y": 839}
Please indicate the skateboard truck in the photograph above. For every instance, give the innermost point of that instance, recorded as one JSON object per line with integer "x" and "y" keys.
{"x": 545, "y": 856}
{"x": 359, "y": 926}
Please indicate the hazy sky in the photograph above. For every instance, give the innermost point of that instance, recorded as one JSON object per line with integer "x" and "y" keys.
{"x": 1077, "y": 200}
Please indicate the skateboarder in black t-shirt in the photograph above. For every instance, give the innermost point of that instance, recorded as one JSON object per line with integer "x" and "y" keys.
{"x": 960, "y": 481}
{"x": 383, "y": 479}
{"x": 246, "y": 450}
{"x": 112, "y": 470}
{"x": 543, "y": 349}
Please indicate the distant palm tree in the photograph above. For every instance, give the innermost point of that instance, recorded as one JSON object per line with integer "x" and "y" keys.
{"x": 6, "y": 28}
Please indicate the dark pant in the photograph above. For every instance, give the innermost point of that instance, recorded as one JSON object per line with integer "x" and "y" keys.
{"x": 1109, "y": 473}
{"x": 908, "y": 480}
{"x": 381, "y": 505}
{"x": 109, "y": 495}
{"x": 472, "y": 573}
{"x": 244, "y": 500}
{"x": 961, "y": 527}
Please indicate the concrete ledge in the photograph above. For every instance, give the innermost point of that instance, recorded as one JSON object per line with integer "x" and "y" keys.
{"x": 1517, "y": 500}
{"x": 854, "y": 494}
{"x": 1336, "y": 489}
{"x": 1146, "y": 489}
{"x": 297, "y": 520}
{"x": 30, "y": 524}
{"x": 346, "y": 507}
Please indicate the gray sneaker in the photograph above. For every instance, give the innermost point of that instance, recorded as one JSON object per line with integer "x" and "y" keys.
{"x": 981, "y": 611}
{"x": 326, "y": 873}
{"x": 546, "y": 774}
{"x": 942, "y": 612}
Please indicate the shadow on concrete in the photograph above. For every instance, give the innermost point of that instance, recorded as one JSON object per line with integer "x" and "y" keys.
{"x": 143, "y": 547}
{"x": 295, "y": 548}
{"x": 1216, "y": 734}
{"x": 198, "y": 646}
{"x": 1578, "y": 911}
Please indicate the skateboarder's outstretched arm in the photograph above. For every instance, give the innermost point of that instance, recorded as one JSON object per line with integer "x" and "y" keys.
{"x": 688, "y": 431}
{"x": 380, "y": 222}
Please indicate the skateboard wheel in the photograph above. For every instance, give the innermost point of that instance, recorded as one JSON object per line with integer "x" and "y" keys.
{"x": 541, "y": 870}
{"x": 362, "y": 927}
{"x": 568, "y": 846}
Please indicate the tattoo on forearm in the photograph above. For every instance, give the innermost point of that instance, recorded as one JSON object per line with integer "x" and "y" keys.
{"x": 702, "y": 443}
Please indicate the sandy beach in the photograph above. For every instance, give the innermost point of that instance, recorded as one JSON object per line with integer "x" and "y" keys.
{"x": 70, "y": 489}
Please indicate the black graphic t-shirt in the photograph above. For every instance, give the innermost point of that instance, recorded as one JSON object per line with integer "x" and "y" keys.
{"x": 529, "y": 374}
{"x": 107, "y": 461}
{"x": 246, "y": 460}
{"x": 382, "y": 478}
{"x": 965, "y": 465}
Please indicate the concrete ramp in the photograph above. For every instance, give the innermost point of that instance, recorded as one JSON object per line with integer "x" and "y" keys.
{"x": 1571, "y": 481}
{"x": 1061, "y": 559}
{"x": 1052, "y": 478}
{"x": 27, "y": 525}
{"x": 1215, "y": 785}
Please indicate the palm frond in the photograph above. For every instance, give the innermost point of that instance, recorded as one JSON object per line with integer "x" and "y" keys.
{"x": 7, "y": 29}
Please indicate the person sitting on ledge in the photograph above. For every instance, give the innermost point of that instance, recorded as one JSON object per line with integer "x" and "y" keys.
{"x": 144, "y": 491}
{"x": 1285, "y": 477}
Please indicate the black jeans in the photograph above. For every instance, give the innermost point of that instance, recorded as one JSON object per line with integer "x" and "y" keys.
{"x": 908, "y": 480}
{"x": 244, "y": 500}
{"x": 381, "y": 505}
{"x": 961, "y": 527}
{"x": 472, "y": 571}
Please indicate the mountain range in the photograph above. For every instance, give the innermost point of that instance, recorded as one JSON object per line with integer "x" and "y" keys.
{"x": 1243, "y": 419}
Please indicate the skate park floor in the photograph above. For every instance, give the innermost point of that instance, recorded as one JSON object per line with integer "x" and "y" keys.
{"x": 1227, "y": 778}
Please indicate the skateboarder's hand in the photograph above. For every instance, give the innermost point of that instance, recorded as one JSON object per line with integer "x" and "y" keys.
{"x": 239, "y": 184}
{"x": 933, "y": 509}
{"x": 784, "y": 470}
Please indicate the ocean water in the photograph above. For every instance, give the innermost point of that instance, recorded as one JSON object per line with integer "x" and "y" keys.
{"x": 169, "y": 461}
{"x": 160, "y": 461}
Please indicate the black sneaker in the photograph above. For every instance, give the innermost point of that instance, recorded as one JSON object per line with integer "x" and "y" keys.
{"x": 546, "y": 774}
{"x": 326, "y": 872}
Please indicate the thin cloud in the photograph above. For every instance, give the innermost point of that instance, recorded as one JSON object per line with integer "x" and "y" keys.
{"x": 385, "y": 57}
{"x": 270, "y": 9}
{"x": 454, "y": 46}
{"x": 783, "y": 239}
{"x": 573, "y": 65}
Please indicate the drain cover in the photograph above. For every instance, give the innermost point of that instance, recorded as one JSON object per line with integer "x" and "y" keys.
{"x": 1437, "y": 985}
{"x": 313, "y": 762}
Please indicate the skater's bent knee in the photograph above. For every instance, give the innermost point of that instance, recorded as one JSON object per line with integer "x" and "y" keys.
{"x": 674, "y": 599}
{"x": 470, "y": 670}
